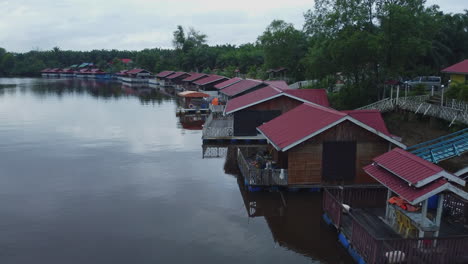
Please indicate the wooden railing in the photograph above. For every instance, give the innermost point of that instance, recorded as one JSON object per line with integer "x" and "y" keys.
{"x": 261, "y": 177}
{"x": 419, "y": 105}
{"x": 217, "y": 108}
{"x": 298, "y": 85}
{"x": 443, "y": 250}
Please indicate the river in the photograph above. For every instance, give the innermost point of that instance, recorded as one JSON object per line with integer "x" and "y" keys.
{"x": 95, "y": 172}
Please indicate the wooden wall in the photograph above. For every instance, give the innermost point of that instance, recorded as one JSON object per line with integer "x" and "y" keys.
{"x": 305, "y": 160}
{"x": 282, "y": 103}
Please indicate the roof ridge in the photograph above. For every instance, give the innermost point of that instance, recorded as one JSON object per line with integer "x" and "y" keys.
{"x": 327, "y": 109}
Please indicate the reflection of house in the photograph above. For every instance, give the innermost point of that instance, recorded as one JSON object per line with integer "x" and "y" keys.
{"x": 67, "y": 72}
{"x": 207, "y": 84}
{"x": 253, "y": 109}
{"x": 240, "y": 88}
{"x": 188, "y": 82}
{"x": 319, "y": 145}
{"x": 422, "y": 219}
{"x": 458, "y": 72}
{"x": 192, "y": 122}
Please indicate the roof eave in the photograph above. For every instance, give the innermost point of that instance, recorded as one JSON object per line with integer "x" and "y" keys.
{"x": 269, "y": 140}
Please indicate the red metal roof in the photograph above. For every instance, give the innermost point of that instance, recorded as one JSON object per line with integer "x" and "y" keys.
{"x": 407, "y": 166}
{"x": 194, "y": 77}
{"x": 228, "y": 83}
{"x": 240, "y": 87}
{"x": 299, "y": 123}
{"x": 411, "y": 194}
{"x": 164, "y": 74}
{"x": 372, "y": 118}
{"x": 316, "y": 96}
{"x": 461, "y": 67}
{"x": 279, "y": 84}
{"x": 209, "y": 79}
{"x": 45, "y": 70}
{"x": 175, "y": 75}
{"x": 126, "y": 60}
{"x": 308, "y": 120}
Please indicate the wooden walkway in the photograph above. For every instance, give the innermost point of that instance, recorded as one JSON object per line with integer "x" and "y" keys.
{"x": 450, "y": 111}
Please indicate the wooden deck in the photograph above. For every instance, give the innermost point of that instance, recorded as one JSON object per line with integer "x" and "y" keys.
{"x": 260, "y": 177}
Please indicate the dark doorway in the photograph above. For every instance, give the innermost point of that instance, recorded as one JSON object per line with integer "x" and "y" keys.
{"x": 247, "y": 121}
{"x": 339, "y": 161}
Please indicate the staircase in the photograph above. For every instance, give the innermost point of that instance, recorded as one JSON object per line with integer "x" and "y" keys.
{"x": 442, "y": 148}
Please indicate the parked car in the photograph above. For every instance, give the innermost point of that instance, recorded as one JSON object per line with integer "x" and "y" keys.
{"x": 427, "y": 81}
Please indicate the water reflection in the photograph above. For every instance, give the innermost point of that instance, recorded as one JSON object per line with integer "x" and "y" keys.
{"x": 102, "y": 89}
{"x": 294, "y": 219}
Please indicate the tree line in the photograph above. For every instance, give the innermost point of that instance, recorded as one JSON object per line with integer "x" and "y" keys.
{"x": 361, "y": 43}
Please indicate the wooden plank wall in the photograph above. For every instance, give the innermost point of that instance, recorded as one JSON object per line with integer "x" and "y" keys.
{"x": 305, "y": 160}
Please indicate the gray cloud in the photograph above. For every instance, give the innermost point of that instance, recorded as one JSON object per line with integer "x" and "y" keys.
{"x": 139, "y": 24}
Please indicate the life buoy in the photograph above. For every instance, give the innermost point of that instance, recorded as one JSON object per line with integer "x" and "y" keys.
{"x": 191, "y": 106}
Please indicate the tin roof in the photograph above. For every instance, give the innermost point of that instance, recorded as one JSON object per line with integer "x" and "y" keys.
{"x": 279, "y": 84}
{"x": 209, "y": 79}
{"x": 307, "y": 121}
{"x": 461, "y": 67}
{"x": 176, "y": 75}
{"x": 194, "y": 76}
{"x": 372, "y": 118}
{"x": 228, "y": 83}
{"x": 413, "y": 169}
{"x": 134, "y": 71}
{"x": 411, "y": 194}
{"x": 164, "y": 74}
{"x": 316, "y": 96}
{"x": 241, "y": 86}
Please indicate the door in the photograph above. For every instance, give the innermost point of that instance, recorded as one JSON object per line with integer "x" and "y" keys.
{"x": 339, "y": 161}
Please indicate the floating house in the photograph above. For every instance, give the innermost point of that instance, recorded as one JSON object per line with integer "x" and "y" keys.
{"x": 193, "y": 102}
{"x": 240, "y": 88}
{"x": 175, "y": 79}
{"x": 458, "y": 72}
{"x": 253, "y": 109}
{"x": 67, "y": 72}
{"x": 161, "y": 78}
{"x": 312, "y": 145}
{"x": 207, "y": 84}
{"x": 137, "y": 76}
{"x": 188, "y": 82}
{"x": 419, "y": 215}
{"x": 98, "y": 74}
{"x": 54, "y": 72}
{"x": 82, "y": 73}
{"x": 45, "y": 72}
{"x": 120, "y": 74}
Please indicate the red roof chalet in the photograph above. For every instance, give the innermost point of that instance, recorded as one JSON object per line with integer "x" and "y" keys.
{"x": 314, "y": 96}
{"x": 461, "y": 67}
{"x": 279, "y": 84}
{"x": 136, "y": 71}
{"x": 411, "y": 177}
{"x": 176, "y": 75}
{"x": 309, "y": 120}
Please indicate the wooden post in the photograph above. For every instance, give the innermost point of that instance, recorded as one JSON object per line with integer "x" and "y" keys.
{"x": 441, "y": 95}
{"x": 423, "y": 217}
{"x": 397, "y": 93}
{"x": 391, "y": 92}
{"x": 439, "y": 211}
{"x": 432, "y": 90}
{"x": 389, "y": 194}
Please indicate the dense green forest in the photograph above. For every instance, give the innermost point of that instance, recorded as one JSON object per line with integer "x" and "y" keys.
{"x": 361, "y": 42}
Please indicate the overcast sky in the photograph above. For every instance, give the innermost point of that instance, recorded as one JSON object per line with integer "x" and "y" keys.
{"x": 139, "y": 24}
